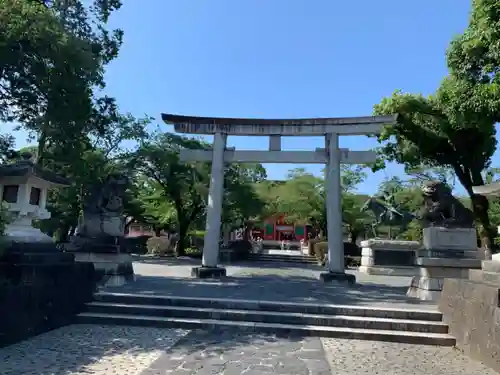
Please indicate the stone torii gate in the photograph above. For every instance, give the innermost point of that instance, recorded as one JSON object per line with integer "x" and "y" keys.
{"x": 331, "y": 155}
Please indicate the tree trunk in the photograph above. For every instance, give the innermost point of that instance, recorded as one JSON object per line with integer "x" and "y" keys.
{"x": 480, "y": 205}
{"x": 180, "y": 248}
{"x": 42, "y": 142}
{"x": 157, "y": 231}
{"x": 353, "y": 234}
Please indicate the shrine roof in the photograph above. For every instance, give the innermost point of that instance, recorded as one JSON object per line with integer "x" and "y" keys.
{"x": 254, "y": 126}
{"x": 27, "y": 168}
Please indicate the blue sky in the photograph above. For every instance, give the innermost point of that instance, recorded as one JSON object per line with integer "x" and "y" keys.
{"x": 280, "y": 59}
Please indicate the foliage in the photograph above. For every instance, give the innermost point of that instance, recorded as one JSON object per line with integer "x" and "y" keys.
{"x": 320, "y": 250}
{"x": 183, "y": 185}
{"x": 301, "y": 197}
{"x": 241, "y": 201}
{"x": 240, "y": 250}
{"x": 4, "y": 218}
{"x": 159, "y": 246}
{"x": 475, "y": 54}
{"x": 413, "y": 232}
{"x": 437, "y": 131}
{"x": 52, "y": 56}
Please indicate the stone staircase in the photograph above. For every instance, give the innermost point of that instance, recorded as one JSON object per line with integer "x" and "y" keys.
{"x": 350, "y": 322}
{"x": 284, "y": 258}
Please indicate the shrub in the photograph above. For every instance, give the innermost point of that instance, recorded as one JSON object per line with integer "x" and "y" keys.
{"x": 240, "y": 249}
{"x": 136, "y": 245}
{"x": 159, "y": 246}
{"x": 352, "y": 261}
{"x": 4, "y": 218}
{"x": 310, "y": 246}
{"x": 196, "y": 241}
{"x": 194, "y": 252}
{"x": 351, "y": 249}
{"x": 320, "y": 249}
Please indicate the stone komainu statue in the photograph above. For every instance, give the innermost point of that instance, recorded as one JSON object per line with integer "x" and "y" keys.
{"x": 441, "y": 208}
{"x": 103, "y": 209}
{"x": 107, "y": 198}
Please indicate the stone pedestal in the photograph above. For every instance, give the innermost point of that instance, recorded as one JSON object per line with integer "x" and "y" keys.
{"x": 389, "y": 257}
{"x": 98, "y": 241}
{"x": 111, "y": 269}
{"x": 446, "y": 253}
{"x": 22, "y": 231}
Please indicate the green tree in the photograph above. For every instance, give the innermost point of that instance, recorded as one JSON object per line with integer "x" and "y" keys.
{"x": 475, "y": 55}
{"x": 52, "y": 56}
{"x": 301, "y": 197}
{"x": 98, "y": 158}
{"x": 241, "y": 201}
{"x": 437, "y": 131}
{"x": 184, "y": 185}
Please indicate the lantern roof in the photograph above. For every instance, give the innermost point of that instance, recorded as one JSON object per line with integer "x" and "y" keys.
{"x": 26, "y": 167}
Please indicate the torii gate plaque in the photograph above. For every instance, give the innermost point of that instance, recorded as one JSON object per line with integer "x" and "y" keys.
{"x": 331, "y": 155}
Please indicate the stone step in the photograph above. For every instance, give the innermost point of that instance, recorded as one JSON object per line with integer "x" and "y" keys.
{"x": 272, "y": 317}
{"x": 492, "y": 278}
{"x": 283, "y": 258}
{"x": 270, "y": 306}
{"x": 275, "y": 328}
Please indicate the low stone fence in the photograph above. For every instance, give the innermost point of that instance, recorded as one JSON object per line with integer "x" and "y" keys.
{"x": 471, "y": 308}
{"x": 41, "y": 292}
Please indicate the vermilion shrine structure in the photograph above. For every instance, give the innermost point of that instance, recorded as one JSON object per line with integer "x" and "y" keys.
{"x": 331, "y": 155}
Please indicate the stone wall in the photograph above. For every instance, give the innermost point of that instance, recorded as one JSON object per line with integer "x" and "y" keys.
{"x": 41, "y": 292}
{"x": 471, "y": 309}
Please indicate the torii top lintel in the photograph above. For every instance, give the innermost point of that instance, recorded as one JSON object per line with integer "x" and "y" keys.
{"x": 286, "y": 127}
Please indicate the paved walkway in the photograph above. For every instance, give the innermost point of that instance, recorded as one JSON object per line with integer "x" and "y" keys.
{"x": 106, "y": 350}
{"x": 110, "y": 350}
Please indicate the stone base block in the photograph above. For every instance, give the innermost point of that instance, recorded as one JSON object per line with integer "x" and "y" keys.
{"x": 471, "y": 310}
{"x": 389, "y": 270}
{"x": 111, "y": 269}
{"x": 448, "y": 263}
{"x": 440, "y": 238}
{"x": 208, "y": 272}
{"x": 428, "y": 285}
{"x": 487, "y": 277}
{"x": 425, "y": 289}
{"x": 397, "y": 245}
{"x": 339, "y": 277}
{"x": 490, "y": 266}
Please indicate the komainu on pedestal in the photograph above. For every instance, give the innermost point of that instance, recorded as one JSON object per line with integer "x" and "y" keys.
{"x": 442, "y": 209}
{"x": 449, "y": 247}
{"x": 101, "y": 230}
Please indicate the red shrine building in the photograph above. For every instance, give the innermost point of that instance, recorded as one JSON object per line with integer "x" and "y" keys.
{"x": 277, "y": 228}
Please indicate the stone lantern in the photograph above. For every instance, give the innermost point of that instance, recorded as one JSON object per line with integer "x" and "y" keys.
{"x": 23, "y": 190}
